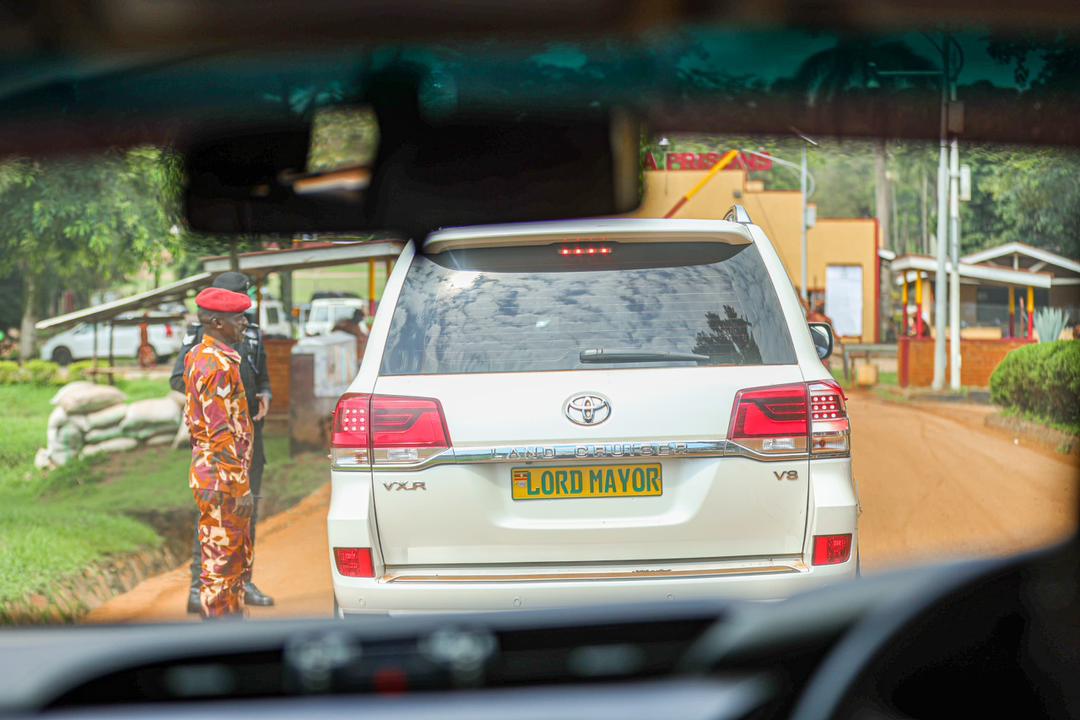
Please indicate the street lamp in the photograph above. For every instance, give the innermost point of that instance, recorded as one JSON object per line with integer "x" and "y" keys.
{"x": 664, "y": 144}
{"x": 804, "y": 178}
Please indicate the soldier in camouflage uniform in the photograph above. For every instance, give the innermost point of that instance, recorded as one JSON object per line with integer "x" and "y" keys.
{"x": 221, "y": 449}
{"x": 256, "y": 379}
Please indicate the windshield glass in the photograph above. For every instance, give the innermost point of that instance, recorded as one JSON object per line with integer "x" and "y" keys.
{"x": 535, "y": 309}
{"x": 528, "y": 421}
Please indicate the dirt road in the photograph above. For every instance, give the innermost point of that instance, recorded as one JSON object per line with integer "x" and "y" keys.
{"x": 933, "y": 483}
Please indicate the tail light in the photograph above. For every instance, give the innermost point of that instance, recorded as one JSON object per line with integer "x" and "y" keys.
{"x": 354, "y": 562}
{"x": 831, "y": 549}
{"x": 771, "y": 420}
{"x": 387, "y": 430}
{"x": 830, "y": 430}
{"x": 350, "y": 441}
{"x": 787, "y": 419}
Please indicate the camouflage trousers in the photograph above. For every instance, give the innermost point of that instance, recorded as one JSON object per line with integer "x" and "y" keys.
{"x": 225, "y": 539}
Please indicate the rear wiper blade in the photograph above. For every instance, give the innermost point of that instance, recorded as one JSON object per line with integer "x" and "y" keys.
{"x": 600, "y": 355}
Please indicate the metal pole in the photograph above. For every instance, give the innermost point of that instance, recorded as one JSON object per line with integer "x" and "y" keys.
{"x": 94, "y": 357}
{"x": 924, "y": 233}
{"x": 942, "y": 227}
{"x": 954, "y": 274}
{"x": 371, "y": 287}
{"x": 112, "y": 359}
{"x": 802, "y": 185}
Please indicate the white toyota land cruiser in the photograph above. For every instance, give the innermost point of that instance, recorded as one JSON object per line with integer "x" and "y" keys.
{"x": 590, "y": 411}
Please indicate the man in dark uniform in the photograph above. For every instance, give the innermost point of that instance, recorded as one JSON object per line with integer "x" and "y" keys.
{"x": 256, "y": 381}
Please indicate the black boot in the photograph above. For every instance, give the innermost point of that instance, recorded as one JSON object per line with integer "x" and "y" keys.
{"x": 255, "y": 596}
{"x": 194, "y": 605}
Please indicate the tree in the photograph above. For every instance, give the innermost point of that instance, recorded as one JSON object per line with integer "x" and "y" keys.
{"x": 83, "y": 224}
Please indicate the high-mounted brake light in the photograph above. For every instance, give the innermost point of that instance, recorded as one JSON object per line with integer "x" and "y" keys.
{"x": 387, "y": 430}
{"x": 789, "y": 419}
{"x": 585, "y": 250}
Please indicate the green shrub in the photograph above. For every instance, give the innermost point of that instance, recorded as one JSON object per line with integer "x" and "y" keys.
{"x": 10, "y": 372}
{"x": 77, "y": 370}
{"x": 41, "y": 372}
{"x": 1042, "y": 379}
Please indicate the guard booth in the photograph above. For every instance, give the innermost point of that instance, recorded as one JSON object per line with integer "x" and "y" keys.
{"x": 987, "y": 332}
{"x": 321, "y": 370}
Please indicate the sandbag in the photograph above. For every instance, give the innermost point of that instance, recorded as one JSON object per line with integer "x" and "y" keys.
{"x": 71, "y": 387}
{"x": 150, "y": 430}
{"x": 42, "y": 461}
{"x": 160, "y": 439}
{"x": 144, "y": 413}
{"x": 121, "y": 444}
{"x": 88, "y": 398}
{"x": 109, "y": 416}
{"x": 179, "y": 398}
{"x": 69, "y": 437}
{"x": 61, "y": 456}
{"x": 183, "y": 436}
{"x": 78, "y": 422}
{"x": 102, "y": 434}
{"x": 57, "y": 418}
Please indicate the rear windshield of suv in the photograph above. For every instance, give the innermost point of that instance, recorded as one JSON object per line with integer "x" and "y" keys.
{"x": 551, "y": 307}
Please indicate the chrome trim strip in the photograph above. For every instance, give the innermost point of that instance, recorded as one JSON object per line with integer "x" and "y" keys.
{"x": 778, "y": 569}
{"x": 586, "y": 452}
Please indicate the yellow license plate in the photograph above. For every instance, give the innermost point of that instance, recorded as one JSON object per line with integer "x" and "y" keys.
{"x": 595, "y": 481}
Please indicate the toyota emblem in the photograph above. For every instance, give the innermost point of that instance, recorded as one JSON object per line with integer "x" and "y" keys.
{"x": 587, "y": 409}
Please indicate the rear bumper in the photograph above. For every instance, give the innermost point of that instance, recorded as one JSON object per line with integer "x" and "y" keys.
{"x": 357, "y": 596}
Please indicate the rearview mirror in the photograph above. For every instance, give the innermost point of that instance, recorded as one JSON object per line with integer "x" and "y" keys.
{"x": 425, "y": 176}
{"x": 822, "y": 333}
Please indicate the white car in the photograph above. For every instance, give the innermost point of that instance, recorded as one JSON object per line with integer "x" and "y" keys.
{"x": 325, "y": 313}
{"x": 78, "y": 342}
{"x": 583, "y": 412}
{"x": 273, "y": 321}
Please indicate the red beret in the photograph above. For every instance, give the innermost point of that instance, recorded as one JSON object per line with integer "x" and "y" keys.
{"x": 223, "y": 301}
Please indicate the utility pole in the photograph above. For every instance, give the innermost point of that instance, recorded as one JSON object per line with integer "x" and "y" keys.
{"x": 954, "y": 274}
{"x": 924, "y": 238}
{"x": 942, "y": 220}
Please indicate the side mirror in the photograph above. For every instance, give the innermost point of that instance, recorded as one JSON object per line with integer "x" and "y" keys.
{"x": 822, "y": 333}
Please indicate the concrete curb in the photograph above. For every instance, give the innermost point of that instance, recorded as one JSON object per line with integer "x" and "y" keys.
{"x": 1033, "y": 433}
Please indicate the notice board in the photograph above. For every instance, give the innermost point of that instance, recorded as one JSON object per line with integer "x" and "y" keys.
{"x": 844, "y": 299}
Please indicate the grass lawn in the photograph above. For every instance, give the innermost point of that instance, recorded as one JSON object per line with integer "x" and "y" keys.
{"x": 56, "y": 524}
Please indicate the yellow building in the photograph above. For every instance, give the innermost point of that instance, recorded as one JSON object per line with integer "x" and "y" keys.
{"x": 842, "y": 264}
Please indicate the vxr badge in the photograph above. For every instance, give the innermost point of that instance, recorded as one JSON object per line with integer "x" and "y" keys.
{"x": 405, "y": 486}
{"x": 587, "y": 409}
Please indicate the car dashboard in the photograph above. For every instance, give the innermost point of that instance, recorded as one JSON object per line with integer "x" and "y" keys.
{"x": 915, "y": 643}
